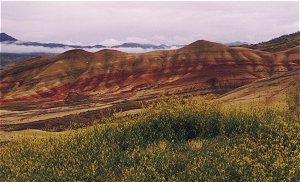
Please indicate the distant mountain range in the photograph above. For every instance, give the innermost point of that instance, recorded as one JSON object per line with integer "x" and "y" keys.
{"x": 9, "y": 57}
{"x": 4, "y": 37}
{"x": 143, "y": 46}
{"x": 7, "y": 39}
{"x": 236, "y": 43}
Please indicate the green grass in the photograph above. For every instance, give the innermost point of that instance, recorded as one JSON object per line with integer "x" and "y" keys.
{"x": 172, "y": 140}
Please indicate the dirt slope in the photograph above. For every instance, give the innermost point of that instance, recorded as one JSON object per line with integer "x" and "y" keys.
{"x": 276, "y": 89}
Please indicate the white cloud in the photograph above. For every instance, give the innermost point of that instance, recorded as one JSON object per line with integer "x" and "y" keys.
{"x": 110, "y": 42}
{"x": 67, "y": 42}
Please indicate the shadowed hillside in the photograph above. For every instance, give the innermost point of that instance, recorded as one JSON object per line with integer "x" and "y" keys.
{"x": 11, "y": 58}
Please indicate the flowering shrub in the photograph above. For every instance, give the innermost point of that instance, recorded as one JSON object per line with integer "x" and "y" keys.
{"x": 174, "y": 139}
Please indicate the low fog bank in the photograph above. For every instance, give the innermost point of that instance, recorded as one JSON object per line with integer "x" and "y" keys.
{"x": 13, "y": 48}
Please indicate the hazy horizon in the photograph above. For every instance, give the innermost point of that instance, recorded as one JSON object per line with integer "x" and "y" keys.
{"x": 111, "y": 23}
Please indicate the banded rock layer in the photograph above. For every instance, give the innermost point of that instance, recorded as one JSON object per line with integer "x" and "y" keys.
{"x": 201, "y": 66}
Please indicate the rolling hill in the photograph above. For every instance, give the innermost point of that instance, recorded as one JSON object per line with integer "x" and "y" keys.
{"x": 201, "y": 67}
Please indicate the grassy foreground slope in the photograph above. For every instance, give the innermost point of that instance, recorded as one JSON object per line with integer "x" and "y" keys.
{"x": 174, "y": 139}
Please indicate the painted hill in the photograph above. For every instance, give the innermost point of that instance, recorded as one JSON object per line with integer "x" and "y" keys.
{"x": 201, "y": 67}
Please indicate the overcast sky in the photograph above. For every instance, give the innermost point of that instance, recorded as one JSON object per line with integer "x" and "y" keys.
{"x": 110, "y": 23}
